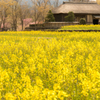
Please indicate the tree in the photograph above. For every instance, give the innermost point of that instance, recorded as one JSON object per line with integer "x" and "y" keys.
{"x": 56, "y": 3}
{"x": 49, "y": 17}
{"x": 40, "y": 10}
{"x": 14, "y": 14}
{"x": 82, "y": 21}
{"x": 4, "y": 11}
{"x": 70, "y": 17}
{"x": 23, "y": 12}
{"x": 18, "y": 11}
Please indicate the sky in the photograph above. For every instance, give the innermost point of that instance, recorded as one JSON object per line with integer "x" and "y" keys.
{"x": 61, "y": 1}
{"x": 29, "y": 1}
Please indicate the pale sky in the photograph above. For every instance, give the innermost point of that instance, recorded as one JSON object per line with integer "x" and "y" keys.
{"x": 61, "y": 1}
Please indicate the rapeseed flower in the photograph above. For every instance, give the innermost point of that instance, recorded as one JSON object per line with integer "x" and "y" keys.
{"x": 50, "y": 65}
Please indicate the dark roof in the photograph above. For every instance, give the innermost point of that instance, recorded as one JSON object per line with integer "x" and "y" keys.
{"x": 83, "y": 8}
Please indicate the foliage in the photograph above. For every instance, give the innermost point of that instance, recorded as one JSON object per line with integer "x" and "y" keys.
{"x": 49, "y": 17}
{"x": 82, "y": 21}
{"x": 81, "y": 27}
{"x": 70, "y": 17}
{"x": 49, "y": 65}
{"x": 12, "y": 13}
{"x": 41, "y": 8}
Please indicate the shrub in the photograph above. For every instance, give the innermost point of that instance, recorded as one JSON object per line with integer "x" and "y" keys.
{"x": 49, "y": 17}
{"x": 70, "y": 17}
{"x": 82, "y": 21}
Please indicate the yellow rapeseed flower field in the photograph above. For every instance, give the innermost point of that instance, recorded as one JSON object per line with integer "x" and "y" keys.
{"x": 81, "y": 27}
{"x": 40, "y": 65}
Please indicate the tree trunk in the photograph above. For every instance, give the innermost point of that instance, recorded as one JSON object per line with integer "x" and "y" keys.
{"x": 22, "y": 24}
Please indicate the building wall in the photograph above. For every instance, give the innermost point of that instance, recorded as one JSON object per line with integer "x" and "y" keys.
{"x": 61, "y": 17}
{"x": 89, "y": 19}
{"x": 99, "y": 21}
{"x": 58, "y": 24}
{"x": 58, "y": 17}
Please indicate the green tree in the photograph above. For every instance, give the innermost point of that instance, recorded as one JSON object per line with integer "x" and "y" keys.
{"x": 49, "y": 17}
{"x": 70, "y": 17}
{"x": 82, "y": 21}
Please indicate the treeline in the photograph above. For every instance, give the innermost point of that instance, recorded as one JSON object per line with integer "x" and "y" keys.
{"x": 13, "y": 11}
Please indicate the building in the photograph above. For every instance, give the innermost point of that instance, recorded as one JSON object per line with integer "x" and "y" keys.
{"x": 81, "y": 9}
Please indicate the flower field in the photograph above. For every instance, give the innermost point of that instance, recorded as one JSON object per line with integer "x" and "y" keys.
{"x": 40, "y": 65}
{"x": 81, "y": 27}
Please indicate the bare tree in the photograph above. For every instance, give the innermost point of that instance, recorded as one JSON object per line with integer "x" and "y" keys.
{"x": 23, "y": 12}
{"x": 56, "y": 3}
{"x": 4, "y": 11}
{"x": 14, "y": 14}
{"x": 40, "y": 9}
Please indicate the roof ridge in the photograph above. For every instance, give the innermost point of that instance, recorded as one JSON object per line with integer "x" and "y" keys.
{"x": 65, "y": 2}
{"x": 88, "y": 8}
